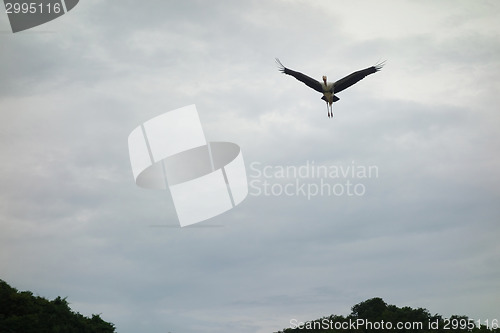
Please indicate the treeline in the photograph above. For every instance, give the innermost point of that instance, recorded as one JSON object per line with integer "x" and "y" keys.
{"x": 374, "y": 315}
{"x": 21, "y": 312}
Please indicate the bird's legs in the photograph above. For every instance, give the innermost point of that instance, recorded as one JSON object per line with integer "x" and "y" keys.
{"x": 329, "y": 108}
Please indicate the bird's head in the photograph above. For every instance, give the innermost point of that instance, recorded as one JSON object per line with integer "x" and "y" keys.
{"x": 324, "y": 79}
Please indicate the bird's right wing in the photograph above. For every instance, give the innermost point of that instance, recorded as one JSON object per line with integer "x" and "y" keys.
{"x": 309, "y": 81}
{"x": 351, "y": 79}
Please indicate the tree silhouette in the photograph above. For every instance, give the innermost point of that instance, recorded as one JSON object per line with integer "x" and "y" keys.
{"x": 21, "y": 312}
{"x": 374, "y": 315}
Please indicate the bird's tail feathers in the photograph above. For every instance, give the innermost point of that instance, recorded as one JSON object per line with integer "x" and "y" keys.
{"x": 334, "y": 98}
{"x": 280, "y": 65}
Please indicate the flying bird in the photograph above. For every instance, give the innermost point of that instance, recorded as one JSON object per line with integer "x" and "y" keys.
{"x": 328, "y": 88}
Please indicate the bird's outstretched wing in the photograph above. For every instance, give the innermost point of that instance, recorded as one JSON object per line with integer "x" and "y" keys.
{"x": 351, "y": 79}
{"x": 309, "y": 81}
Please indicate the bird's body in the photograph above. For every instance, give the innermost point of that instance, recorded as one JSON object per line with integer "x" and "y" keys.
{"x": 328, "y": 93}
{"x": 328, "y": 89}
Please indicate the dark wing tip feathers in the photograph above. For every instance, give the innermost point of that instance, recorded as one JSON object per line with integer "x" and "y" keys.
{"x": 379, "y": 66}
{"x": 281, "y": 68}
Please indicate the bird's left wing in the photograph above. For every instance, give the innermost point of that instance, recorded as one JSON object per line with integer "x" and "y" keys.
{"x": 309, "y": 81}
{"x": 351, "y": 79}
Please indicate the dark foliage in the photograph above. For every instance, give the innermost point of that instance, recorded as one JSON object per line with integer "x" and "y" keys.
{"x": 374, "y": 315}
{"x": 21, "y": 312}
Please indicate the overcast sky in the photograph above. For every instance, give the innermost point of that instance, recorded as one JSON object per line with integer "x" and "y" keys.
{"x": 425, "y": 232}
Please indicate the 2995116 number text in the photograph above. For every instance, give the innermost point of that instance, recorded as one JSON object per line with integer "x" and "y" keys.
{"x": 32, "y": 8}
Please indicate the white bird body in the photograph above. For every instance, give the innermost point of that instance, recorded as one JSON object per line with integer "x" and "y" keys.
{"x": 327, "y": 87}
{"x": 328, "y": 91}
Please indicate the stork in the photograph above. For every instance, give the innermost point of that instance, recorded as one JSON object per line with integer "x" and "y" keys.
{"x": 328, "y": 89}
